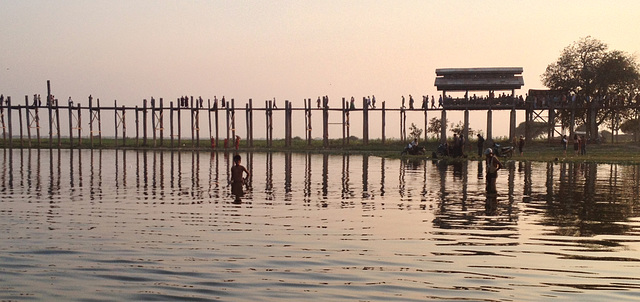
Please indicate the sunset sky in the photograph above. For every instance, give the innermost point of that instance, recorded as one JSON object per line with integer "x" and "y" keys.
{"x": 290, "y": 50}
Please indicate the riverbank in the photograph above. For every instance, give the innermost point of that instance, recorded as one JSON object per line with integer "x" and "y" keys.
{"x": 624, "y": 152}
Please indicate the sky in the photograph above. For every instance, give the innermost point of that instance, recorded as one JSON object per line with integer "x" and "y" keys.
{"x": 289, "y": 50}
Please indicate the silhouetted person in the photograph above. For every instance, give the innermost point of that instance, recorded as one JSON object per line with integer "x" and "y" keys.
{"x": 493, "y": 165}
{"x": 237, "y": 178}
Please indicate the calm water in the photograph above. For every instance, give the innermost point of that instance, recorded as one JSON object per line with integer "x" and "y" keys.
{"x": 127, "y": 225}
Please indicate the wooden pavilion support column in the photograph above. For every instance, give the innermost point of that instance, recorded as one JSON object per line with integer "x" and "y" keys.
{"x": 443, "y": 126}
{"x": 489, "y": 123}
{"x": 465, "y": 131}
{"x": 527, "y": 122}
{"x": 512, "y": 124}
{"x": 552, "y": 122}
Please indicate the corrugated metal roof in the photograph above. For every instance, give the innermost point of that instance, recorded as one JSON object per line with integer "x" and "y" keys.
{"x": 484, "y": 79}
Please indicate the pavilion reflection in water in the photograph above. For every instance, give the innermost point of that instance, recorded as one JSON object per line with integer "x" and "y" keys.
{"x": 581, "y": 198}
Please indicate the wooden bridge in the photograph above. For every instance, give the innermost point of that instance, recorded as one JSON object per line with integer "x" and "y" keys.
{"x": 152, "y": 117}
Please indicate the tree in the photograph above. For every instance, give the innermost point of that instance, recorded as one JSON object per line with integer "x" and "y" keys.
{"x": 459, "y": 129}
{"x": 415, "y": 132}
{"x": 603, "y": 81}
{"x": 435, "y": 127}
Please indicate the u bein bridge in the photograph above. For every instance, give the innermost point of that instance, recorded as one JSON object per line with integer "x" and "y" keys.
{"x": 151, "y": 118}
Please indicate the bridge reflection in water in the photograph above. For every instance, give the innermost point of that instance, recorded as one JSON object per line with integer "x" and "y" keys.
{"x": 571, "y": 195}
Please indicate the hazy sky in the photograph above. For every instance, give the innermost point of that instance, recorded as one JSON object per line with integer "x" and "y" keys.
{"x": 130, "y": 50}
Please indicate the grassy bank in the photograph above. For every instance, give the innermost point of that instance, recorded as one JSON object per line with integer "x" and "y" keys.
{"x": 626, "y": 152}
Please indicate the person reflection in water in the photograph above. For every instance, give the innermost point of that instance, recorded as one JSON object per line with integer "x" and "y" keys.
{"x": 493, "y": 165}
{"x": 237, "y": 178}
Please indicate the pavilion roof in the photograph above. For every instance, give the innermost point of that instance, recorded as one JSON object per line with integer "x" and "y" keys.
{"x": 483, "y": 79}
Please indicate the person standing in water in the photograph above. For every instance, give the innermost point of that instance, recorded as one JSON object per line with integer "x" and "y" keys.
{"x": 493, "y": 165}
{"x": 237, "y": 177}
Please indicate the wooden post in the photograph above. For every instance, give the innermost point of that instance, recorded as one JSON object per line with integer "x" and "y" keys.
{"x": 50, "y": 107}
{"x": 288, "y": 117}
{"x": 345, "y": 113}
{"x": 115, "y": 118}
{"x": 384, "y": 122}
{"x": 20, "y": 122}
{"x": 179, "y": 126}
{"x": 465, "y": 131}
{"x": 197, "y": 127}
{"x": 233, "y": 122}
{"x": 90, "y": 121}
{"x": 124, "y": 127}
{"x": 489, "y": 123}
{"x": 365, "y": 121}
{"x": 250, "y": 123}
{"x": 26, "y": 107}
{"x": 193, "y": 131}
{"x": 227, "y": 123}
{"x": 58, "y": 123}
{"x": 309, "y": 124}
{"x": 325, "y": 124}
{"x": 443, "y": 126}
{"x": 99, "y": 123}
{"x": 137, "y": 126}
{"x": 171, "y": 122}
{"x": 161, "y": 122}
{"x": 153, "y": 120}
{"x": 215, "y": 112}
{"x": 209, "y": 115}
{"x": 144, "y": 122}
{"x": 10, "y": 123}
{"x": 79, "y": 127}
{"x": 70, "y": 125}
{"x": 402, "y": 125}
{"x": 37, "y": 121}
{"x": 512, "y": 124}
{"x": 426, "y": 121}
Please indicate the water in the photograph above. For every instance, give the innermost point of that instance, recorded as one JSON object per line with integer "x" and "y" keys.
{"x": 158, "y": 225}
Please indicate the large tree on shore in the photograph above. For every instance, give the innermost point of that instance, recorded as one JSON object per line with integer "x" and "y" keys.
{"x": 604, "y": 82}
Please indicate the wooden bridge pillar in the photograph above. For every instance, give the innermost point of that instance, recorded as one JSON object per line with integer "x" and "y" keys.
{"x": 365, "y": 121}
{"x": 325, "y": 124}
{"x": 144, "y": 122}
{"x": 384, "y": 123}
{"x": 426, "y": 121}
{"x": 345, "y": 122}
{"x": 26, "y": 107}
{"x": 9, "y": 122}
{"x": 308, "y": 122}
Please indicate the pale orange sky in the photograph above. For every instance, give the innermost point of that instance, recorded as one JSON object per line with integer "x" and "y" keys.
{"x": 290, "y": 50}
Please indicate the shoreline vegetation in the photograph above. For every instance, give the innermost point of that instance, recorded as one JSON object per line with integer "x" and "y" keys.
{"x": 627, "y": 152}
